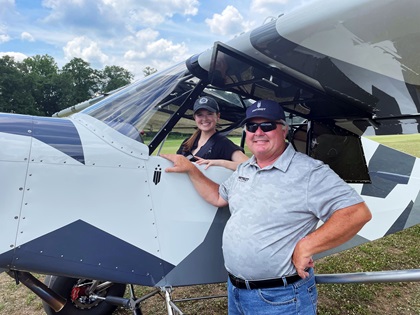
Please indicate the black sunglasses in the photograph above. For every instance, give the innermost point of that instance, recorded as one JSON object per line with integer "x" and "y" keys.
{"x": 265, "y": 126}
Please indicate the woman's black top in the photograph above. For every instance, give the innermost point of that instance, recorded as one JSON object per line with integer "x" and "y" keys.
{"x": 217, "y": 147}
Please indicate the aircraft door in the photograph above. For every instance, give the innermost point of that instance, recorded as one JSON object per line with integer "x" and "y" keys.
{"x": 189, "y": 230}
{"x": 339, "y": 148}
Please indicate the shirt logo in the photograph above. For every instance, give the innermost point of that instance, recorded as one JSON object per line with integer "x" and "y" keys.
{"x": 243, "y": 179}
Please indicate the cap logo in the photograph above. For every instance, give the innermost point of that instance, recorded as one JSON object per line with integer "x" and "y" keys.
{"x": 258, "y": 107}
{"x": 203, "y": 100}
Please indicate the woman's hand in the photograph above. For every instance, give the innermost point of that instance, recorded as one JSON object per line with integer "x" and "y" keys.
{"x": 201, "y": 161}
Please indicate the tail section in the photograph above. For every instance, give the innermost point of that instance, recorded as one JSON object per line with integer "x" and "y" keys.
{"x": 393, "y": 196}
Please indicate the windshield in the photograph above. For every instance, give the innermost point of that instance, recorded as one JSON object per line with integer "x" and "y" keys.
{"x": 129, "y": 109}
{"x": 161, "y": 104}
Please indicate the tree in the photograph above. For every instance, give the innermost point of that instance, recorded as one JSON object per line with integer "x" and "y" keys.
{"x": 42, "y": 72}
{"x": 84, "y": 81}
{"x": 36, "y": 86}
{"x": 114, "y": 77}
{"x": 148, "y": 71}
{"x": 15, "y": 89}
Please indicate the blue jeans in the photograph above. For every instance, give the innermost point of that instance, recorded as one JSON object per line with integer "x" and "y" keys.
{"x": 297, "y": 298}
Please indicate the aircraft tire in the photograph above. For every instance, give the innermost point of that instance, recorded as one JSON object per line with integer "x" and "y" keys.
{"x": 64, "y": 286}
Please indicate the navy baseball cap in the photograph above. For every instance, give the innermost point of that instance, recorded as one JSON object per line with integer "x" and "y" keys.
{"x": 268, "y": 109}
{"x": 207, "y": 103}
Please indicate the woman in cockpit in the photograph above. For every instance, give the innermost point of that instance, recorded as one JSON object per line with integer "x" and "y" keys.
{"x": 207, "y": 145}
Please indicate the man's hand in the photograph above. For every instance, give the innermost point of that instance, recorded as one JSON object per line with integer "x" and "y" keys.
{"x": 338, "y": 229}
{"x": 181, "y": 163}
{"x": 301, "y": 260}
{"x": 207, "y": 189}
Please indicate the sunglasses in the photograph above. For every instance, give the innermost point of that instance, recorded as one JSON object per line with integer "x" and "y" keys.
{"x": 265, "y": 126}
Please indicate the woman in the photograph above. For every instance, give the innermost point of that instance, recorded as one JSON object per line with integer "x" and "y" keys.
{"x": 206, "y": 145}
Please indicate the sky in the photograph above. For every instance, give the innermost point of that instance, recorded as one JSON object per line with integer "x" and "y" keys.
{"x": 132, "y": 34}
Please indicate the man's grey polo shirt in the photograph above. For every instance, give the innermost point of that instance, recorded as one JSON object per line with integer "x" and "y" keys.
{"x": 273, "y": 208}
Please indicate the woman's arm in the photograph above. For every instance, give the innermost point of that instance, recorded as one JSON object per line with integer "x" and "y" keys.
{"x": 237, "y": 158}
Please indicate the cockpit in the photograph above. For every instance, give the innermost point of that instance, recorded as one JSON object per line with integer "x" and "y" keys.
{"x": 160, "y": 106}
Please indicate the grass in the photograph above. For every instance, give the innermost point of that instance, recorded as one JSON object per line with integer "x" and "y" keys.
{"x": 409, "y": 144}
{"x": 397, "y": 251}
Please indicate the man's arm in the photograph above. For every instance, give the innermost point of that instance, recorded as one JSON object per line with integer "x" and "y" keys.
{"x": 341, "y": 227}
{"x": 207, "y": 189}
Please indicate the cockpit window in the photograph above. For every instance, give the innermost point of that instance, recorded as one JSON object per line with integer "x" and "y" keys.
{"x": 128, "y": 110}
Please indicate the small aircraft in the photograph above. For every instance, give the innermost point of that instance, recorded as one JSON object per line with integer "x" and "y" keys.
{"x": 84, "y": 195}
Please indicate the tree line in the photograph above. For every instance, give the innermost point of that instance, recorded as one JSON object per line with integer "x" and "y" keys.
{"x": 36, "y": 86}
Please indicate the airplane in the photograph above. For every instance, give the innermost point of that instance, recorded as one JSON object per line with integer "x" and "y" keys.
{"x": 85, "y": 198}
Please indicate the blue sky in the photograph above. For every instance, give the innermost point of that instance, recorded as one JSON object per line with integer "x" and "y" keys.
{"x": 129, "y": 33}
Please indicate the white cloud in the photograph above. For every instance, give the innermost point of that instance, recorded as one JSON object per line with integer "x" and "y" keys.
{"x": 128, "y": 33}
{"x": 138, "y": 44}
{"x": 143, "y": 17}
{"x": 228, "y": 23}
{"x": 146, "y": 35}
{"x": 268, "y": 7}
{"x": 165, "y": 49}
{"x": 146, "y": 44}
{"x": 131, "y": 14}
{"x": 134, "y": 55}
{"x": 167, "y": 8}
{"x": 4, "y": 38}
{"x": 6, "y": 6}
{"x": 85, "y": 48}
{"x": 27, "y": 36}
{"x": 16, "y": 55}
{"x": 152, "y": 13}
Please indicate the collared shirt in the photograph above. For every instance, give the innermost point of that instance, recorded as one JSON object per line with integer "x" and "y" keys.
{"x": 273, "y": 208}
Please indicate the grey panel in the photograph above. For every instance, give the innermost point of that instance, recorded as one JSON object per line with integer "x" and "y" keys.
{"x": 414, "y": 216}
{"x": 205, "y": 264}
{"x": 400, "y": 223}
{"x": 385, "y": 173}
{"x": 82, "y": 250}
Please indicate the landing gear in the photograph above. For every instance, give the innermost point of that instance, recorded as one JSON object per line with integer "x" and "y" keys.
{"x": 94, "y": 297}
{"x": 84, "y": 296}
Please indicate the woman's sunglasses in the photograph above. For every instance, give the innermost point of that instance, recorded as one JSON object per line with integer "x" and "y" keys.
{"x": 265, "y": 126}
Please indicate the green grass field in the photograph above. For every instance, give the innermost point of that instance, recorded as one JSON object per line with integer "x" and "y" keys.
{"x": 409, "y": 144}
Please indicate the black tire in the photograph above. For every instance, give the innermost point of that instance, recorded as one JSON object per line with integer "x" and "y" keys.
{"x": 64, "y": 286}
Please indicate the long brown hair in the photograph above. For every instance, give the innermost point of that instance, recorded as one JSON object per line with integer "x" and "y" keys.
{"x": 186, "y": 147}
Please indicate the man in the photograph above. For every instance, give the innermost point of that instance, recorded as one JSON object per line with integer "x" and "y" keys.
{"x": 276, "y": 200}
